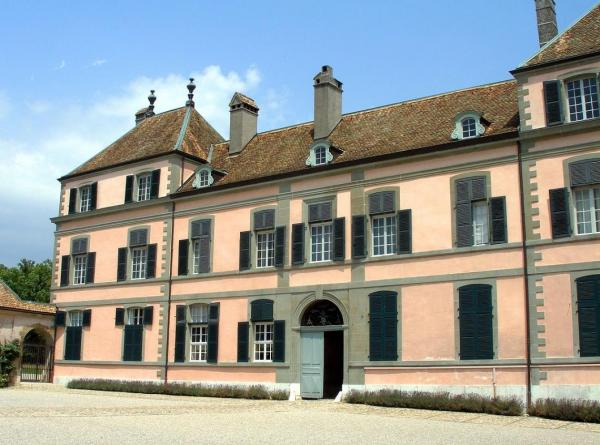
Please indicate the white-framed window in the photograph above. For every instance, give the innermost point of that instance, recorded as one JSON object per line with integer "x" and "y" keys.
{"x": 85, "y": 198}
{"x": 265, "y": 249}
{"x": 139, "y": 260}
{"x": 75, "y": 318}
{"x": 384, "y": 235}
{"x": 79, "y": 269}
{"x": 198, "y": 343}
{"x": 144, "y": 186}
{"x": 320, "y": 242}
{"x": 583, "y": 99}
{"x": 263, "y": 342}
{"x": 587, "y": 210}
{"x": 135, "y": 316}
{"x": 469, "y": 127}
{"x": 321, "y": 155}
{"x": 203, "y": 178}
{"x": 196, "y": 256}
{"x": 199, "y": 313}
{"x": 480, "y": 212}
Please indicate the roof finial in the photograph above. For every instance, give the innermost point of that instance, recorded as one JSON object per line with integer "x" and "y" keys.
{"x": 151, "y": 99}
{"x": 191, "y": 87}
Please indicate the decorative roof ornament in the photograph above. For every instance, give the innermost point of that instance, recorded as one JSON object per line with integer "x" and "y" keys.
{"x": 191, "y": 87}
{"x": 151, "y": 99}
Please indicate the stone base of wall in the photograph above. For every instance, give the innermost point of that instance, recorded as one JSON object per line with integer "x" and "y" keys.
{"x": 579, "y": 392}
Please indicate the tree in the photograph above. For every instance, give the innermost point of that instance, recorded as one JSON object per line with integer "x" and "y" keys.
{"x": 29, "y": 280}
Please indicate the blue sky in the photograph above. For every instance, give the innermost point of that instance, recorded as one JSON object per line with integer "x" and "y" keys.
{"x": 73, "y": 73}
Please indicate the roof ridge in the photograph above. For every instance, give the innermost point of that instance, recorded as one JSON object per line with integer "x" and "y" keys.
{"x": 185, "y": 123}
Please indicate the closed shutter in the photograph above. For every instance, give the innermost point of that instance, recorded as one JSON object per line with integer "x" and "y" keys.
{"x": 261, "y": 310}
{"x": 265, "y": 219}
{"x": 132, "y": 348}
{"x": 478, "y": 188}
{"x": 180, "y": 332}
{"x": 464, "y": 219}
{"x": 212, "y": 355}
{"x": 129, "y": 188}
{"x": 93, "y": 196}
{"x": 64, "y": 270}
{"x": 244, "y": 250}
{"x": 559, "y": 213}
{"x": 138, "y": 237}
{"x": 182, "y": 263}
{"x": 72, "y": 201}
{"x": 298, "y": 243}
{"x": 584, "y": 173}
{"x": 404, "y": 238}
{"x": 475, "y": 322}
{"x": 73, "y": 343}
{"x": 204, "y": 259}
{"x": 151, "y": 264}
{"x": 588, "y": 308}
{"x": 498, "y": 233}
{"x": 280, "y": 246}
{"x": 119, "y": 316}
{"x": 87, "y": 318}
{"x": 148, "y": 315}
{"x": 339, "y": 239}
{"x": 91, "y": 267}
{"x": 552, "y": 99}
{"x": 122, "y": 264}
{"x": 359, "y": 245}
{"x": 382, "y": 202}
{"x": 383, "y": 326}
{"x": 243, "y": 344}
{"x": 200, "y": 228}
{"x": 320, "y": 212}
{"x": 154, "y": 186}
{"x": 59, "y": 318}
{"x": 279, "y": 341}
{"x": 79, "y": 246}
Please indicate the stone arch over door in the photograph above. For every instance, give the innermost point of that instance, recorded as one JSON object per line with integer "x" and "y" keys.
{"x": 36, "y": 355}
{"x": 310, "y": 299}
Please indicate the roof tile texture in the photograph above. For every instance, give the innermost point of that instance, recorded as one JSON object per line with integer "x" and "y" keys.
{"x": 10, "y": 300}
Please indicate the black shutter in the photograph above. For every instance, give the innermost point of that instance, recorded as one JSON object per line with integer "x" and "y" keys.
{"x": 588, "y": 311}
{"x": 584, "y": 173}
{"x": 87, "y": 318}
{"x": 180, "y": 332}
{"x": 559, "y": 213}
{"x": 265, "y": 219}
{"x": 279, "y": 246}
{"x": 279, "y": 341}
{"x": 298, "y": 243}
{"x": 404, "y": 237}
{"x": 339, "y": 239}
{"x": 72, "y": 201}
{"x": 182, "y": 264}
{"x": 119, "y": 316}
{"x": 64, "y": 270}
{"x": 204, "y": 260}
{"x": 91, "y": 267}
{"x": 132, "y": 350}
{"x": 122, "y": 264}
{"x": 154, "y": 186}
{"x": 383, "y": 326}
{"x": 200, "y": 228}
{"x": 212, "y": 353}
{"x": 320, "y": 212}
{"x": 464, "y": 219}
{"x": 498, "y": 233}
{"x": 261, "y": 310}
{"x": 243, "y": 343}
{"x": 138, "y": 237}
{"x": 59, "y": 318}
{"x": 151, "y": 264}
{"x": 73, "y": 343}
{"x": 382, "y": 202}
{"x": 148, "y": 315}
{"x": 93, "y": 196}
{"x": 244, "y": 250}
{"x": 478, "y": 188}
{"x": 475, "y": 322}
{"x": 129, "y": 188}
{"x": 552, "y": 98}
{"x": 359, "y": 245}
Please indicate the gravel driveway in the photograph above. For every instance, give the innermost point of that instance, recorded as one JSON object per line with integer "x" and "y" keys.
{"x": 51, "y": 414}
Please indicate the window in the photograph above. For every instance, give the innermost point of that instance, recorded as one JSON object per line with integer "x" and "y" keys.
{"x": 198, "y": 343}
{"x": 320, "y": 242}
{"x": 588, "y": 312}
{"x": 85, "y": 199}
{"x": 133, "y": 335}
{"x": 467, "y": 125}
{"x": 138, "y": 263}
{"x": 587, "y": 209}
{"x": 320, "y": 155}
{"x": 202, "y": 179}
{"x": 265, "y": 249}
{"x": 199, "y": 313}
{"x": 80, "y": 267}
{"x": 480, "y": 223}
{"x": 384, "y": 235}
{"x": 144, "y": 187}
{"x": 469, "y": 128}
{"x": 583, "y": 99}
{"x": 475, "y": 322}
{"x": 263, "y": 342}
{"x": 383, "y": 326}
{"x": 73, "y": 333}
{"x": 75, "y": 318}
{"x": 135, "y": 316}
{"x": 197, "y": 246}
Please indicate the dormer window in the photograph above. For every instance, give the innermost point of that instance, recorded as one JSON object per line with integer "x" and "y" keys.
{"x": 468, "y": 125}
{"x": 320, "y": 154}
{"x": 203, "y": 178}
{"x": 583, "y": 99}
{"x": 468, "y": 128}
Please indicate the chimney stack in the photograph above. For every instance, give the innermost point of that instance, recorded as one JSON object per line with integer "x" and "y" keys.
{"x": 243, "y": 122}
{"x": 328, "y": 102}
{"x": 546, "y": 20}
{"x": 146, "y": 112}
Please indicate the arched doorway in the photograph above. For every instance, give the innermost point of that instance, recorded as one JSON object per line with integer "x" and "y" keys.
{"x": 36, "y": 360}
{"x": 322, "y": 349}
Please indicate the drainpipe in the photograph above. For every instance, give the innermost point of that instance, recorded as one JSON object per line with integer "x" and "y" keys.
{"x": 166, "y": 366}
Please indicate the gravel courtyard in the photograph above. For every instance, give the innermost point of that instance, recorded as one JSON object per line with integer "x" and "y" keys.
{"x": 50, "y": 414}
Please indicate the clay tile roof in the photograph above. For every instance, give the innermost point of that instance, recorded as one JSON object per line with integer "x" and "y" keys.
{"x": 9, "y": 300}
{"x": 402, "y": 127}
{"x": 182, "y": 129}
{"x": 580, "y": 39}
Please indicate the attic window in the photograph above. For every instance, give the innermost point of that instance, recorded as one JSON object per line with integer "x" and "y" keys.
{"x": 320, "y": 154}
{"x": 203, "y": 178}
{"x": 468, "y": 125}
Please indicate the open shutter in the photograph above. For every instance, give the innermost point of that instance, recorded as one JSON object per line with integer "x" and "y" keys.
{"x": 182, "y": 263}
{"x": 72, "y": 201}
{"x": 559, "y": 213}
{"x": 339, "y": 239}
{"x": 383, "y": 326}
{"x": 243, "y": 343}
{"x": 59, "y": 318}
{"x": 279, "y": 341}
{"x": 87, "y": 318}
{"x": 212, "y": 354}
{"x": 244, "y": 250}
{"x": 151, "y": 265}
{"x": 404, "y": 239}
{"x": 148, "y": 315}
{"x": 498, "y": 233}
{"x": 464, "y": 219}
{"x": 588, "y": 308}
{"x": 119, "y": 316}
{"x": 359, "y": 245}
{"x": 93, "y": 196}
{"x": 91, "y": 267}
{"x": 475, "y": 322}
{"x": 279, "y": 246}
{"x": 552, "y": 99}
{"x": 154, "y": 186}
{"x": 129, "y": 188}
{"x": 298, "y": 243}
{"x": 64, "y": 270}
{"x": 180, "y": 331}
{"x": 122, "y": 264}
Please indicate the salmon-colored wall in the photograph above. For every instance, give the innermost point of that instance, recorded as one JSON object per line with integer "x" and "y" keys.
{"x": 558, "y": 315}
{"x": 446, "y": 376}
{"x": 222, "y": 374}
{"x": 512, "y": 329}
{"x": 230, "y": 284}
{"x": 571, "y": 375}
{"x": 231, "y": 312}
{"x": 133, "y": 290}
{"x": 106, "y": 371}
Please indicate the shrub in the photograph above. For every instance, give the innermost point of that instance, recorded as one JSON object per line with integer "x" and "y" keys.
{"x": 440, "y": 401}
{"x": 566, "y": 409}
{"x": 255, "y": 392}
{"x": 9, "y": 352}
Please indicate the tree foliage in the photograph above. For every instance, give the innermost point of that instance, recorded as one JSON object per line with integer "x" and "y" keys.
{"x": 29, "y": 280}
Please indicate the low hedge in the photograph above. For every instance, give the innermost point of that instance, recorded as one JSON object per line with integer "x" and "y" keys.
{"x": 439, "y": 401}
{"x": 180, "y": 389}
{"x": 566, "y": 409}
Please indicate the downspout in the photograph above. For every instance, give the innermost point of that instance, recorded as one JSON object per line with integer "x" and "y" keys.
{"x": 166, "y": 366}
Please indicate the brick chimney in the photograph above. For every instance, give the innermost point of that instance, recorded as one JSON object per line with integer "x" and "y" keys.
{"x": 328, "y": 102}
{"x": 243, "y": 122}
{"x": 546, "y": 20}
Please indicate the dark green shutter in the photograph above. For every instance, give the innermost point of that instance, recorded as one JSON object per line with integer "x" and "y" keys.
{"x": 279, "y": 246}
{"x": 180, "y": 332}
{"x": 243, "y": 341}
{"x": 404, "y": 236}
{"x": 64, "y": 270}
{"x": 320, "y": 212}
{"x": 154, "y": 186}
{"x": 279, "y": 341}
{"x": 261, "y": 310}
{"x": 129, "y": 188}
{"x": 382, "y": 202}
{"x": 552, "y": 99}
{"x": 72, "y": 201}
{"x": 584, "y": 172}
{"x": 148, "y": 315}
{"x": 464, "y": 218}
{"x": 298, "y": 243}
{"x": 132, "y": 349}
{"x": 339, "y": 239}
{"x": 73, "y": 343}
{"x": 588, "y": 311}
{"x": 498, "y": 233}
{"x": 265, "y": 219}
{"x": 122, "y": 264}
{"x": 87, "y": 318}
{"x": 359, "y": 245}
{"x": 119, "y": 316}
{"x": 383, "y": 326}
{"x": 212, "y": 355}
{"x": 93, "y": 196}
{"x": 182, "y": 263}
{"x": 559, "y": 213}
{"x": 204, "y": 260}
{"x": 59, "y": 318}
{"x": 151, "y": 263}
{"x": 90, "y": 267}
{"x": 244, "y": 250}
{"x": 475, "y": 322}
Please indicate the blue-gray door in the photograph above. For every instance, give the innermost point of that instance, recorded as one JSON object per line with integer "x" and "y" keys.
{"x": 311, "y": 382}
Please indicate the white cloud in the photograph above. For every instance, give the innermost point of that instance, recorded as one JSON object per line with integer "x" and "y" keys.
{"x": 61, "y": 65}
{"x": 98, "y": 62}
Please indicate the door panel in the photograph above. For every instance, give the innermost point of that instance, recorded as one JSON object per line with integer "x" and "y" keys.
{"x": 311, "y": 384}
